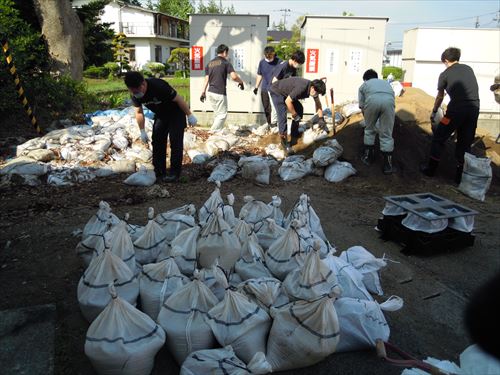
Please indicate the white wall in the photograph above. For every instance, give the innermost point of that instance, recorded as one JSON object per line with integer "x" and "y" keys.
{"x": 422, "y": 49}
{"x": 243, "y": 34}
{"x": 347, "y": 47}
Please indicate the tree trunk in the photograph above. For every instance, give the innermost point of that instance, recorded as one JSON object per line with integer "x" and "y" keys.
{"x": 63, "y": 31}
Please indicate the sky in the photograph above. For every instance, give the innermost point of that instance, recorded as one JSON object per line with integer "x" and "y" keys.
{"x": 403, "y": 14}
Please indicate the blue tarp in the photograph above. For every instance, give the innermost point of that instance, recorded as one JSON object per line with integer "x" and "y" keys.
{"x": 116, "y": 112}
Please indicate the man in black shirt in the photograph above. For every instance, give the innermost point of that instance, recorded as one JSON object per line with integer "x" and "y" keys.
{"x": 287, "y": 69}
{"x": 216, "y": 73}
{"x": 285, "y": 94}
{"x": 462, "y": 112}
{"x": 170, "y": 112}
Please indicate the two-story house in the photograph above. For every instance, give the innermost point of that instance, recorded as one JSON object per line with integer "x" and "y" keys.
{"x": 152, "y": 35}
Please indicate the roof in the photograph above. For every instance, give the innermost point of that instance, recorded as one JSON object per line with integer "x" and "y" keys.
{"x": 344, "y": 17}
{"x": 232, "y": 15}
{"x": 279, "y": 35}
{"x": 146, "y": 10}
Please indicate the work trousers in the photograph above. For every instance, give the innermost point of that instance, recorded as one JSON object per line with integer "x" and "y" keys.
{"x": 173, "y": 130}
{"x": 463, "y": 120}
{"x": 269, "y": 110}
{"x": 379, "y": 107}
{"x": 219, "y": 106}
{"x": 281, "y": 110}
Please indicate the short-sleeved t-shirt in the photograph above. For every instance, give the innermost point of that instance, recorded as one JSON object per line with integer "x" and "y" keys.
{"x": 217, "y": 70}
{"x": 266, "y": 69}
{"x": 284, "y": 70}
{"x": 158, "y": 98}
{"x": 294, "y": 87}
{"x": 460, "y": 83}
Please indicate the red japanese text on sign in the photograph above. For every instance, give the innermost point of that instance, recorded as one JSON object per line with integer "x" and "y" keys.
{"x": 312, "y": 60}
{"x": 196, "y": 58}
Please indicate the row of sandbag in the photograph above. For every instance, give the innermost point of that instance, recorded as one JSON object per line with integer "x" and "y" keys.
{"x": 316, "y": 277}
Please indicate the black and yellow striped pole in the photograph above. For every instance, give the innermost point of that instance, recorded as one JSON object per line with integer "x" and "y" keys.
{"x": 19, "y": 88}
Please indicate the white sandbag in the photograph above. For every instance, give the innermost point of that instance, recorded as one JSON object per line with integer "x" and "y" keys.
{"x": 255, "y": 211}
{"x": 24, "y": 165}
{"x": 122, "y": 340}
{"x": 241, "y": 323}
{"x": 216, "y": 145}
{"x": 157, "y": 282}
{"x": 102, "y": 143}
{"x": 361, "y": 322}
{"x": 224, "y": 171}
{"x": 474, "y": 361}
{"x": 293, "y": 170}
{"x": 398, "y": 88}
{"x": 303, "y": 333}
{"x": 182, "y": 318}
{"x": 326, "y": 155}
{"x": 198, "y": 157}
{"x": 215, "y": 279}
{"x": 350, "y": 109}
{"x": 461, "y": 223}
{"x": 119, "y": 140}
{"x": 368, "y": 265}
{"x": 476, "y": 176}
{"x": 218, "y": 241}
{"x": 139, "y": 152}
{"x": 190, "y": 141}
{"x": 267, "y": 232}
{"x": 391, "y": 209}
{"x": 278, "y": 216}
{"x": 348, "y": 277}
{"x": 32, "y": 144}
{"x": 275, "y": 151}
{"x": 257, "y": 171}
{"x": 184, "y": 249}
{"x": 134, "y": 230}
{"x": 242, "y": 230}
{"x": 211, "y": 205}
{"x": 313, "y": 135}
{"x": 106, "y": 268}
{"x": 309, "y": 238}
{"x": 41, "y": 155}
{"x": 447, "y": 367}
{"x": 173, "y": 222}
{"x": 338, "y": 171}
{"x": 265, "y": 291}
{"x": 90, "y": 247}
{"x": 304, "y": 212}
{"x": 251, "y": 264}
{"x": 150, "y": 242}
{"x": 286, "y": 253}
{"x": 101, "y": 221}
{"x": 223, "y": 361}
{"x": 120, "y": 243}
{"x": 228, "y": 211}
{"x": 432, "y": 224}
{"x": 143, "y": 177}
{"x": 313, "y": 280}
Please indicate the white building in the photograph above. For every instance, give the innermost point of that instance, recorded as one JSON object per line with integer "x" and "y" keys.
{"x": 480, "y": 48}
{"x": 152, "y": 35}
{"x": 342, "y": 49}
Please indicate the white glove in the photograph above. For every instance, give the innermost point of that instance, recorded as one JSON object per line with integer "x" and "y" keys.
{"x": 144, "y": 136}
{"x": 192, "y": 120}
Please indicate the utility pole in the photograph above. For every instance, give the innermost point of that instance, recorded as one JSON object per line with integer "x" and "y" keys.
{"x": 477, "y": 22}
{"x": 285, "y": 11}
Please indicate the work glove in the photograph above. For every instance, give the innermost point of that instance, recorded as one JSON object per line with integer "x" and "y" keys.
{"x": 255, "y": 90}
{"x": 433, "y": 114}
{"x": 241, "y": 86}
{"x": 322, "y": 123}
{"x": 203, "y": 97}
{"x": 144, "y": 136}
{"x": 297, "y": 118}
{"x": 192, "y": 120}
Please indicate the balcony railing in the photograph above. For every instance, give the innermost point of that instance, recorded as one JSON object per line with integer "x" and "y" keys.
{"x": 136, "y": 28}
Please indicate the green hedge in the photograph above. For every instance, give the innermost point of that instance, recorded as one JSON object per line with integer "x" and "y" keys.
{"x": 96, "y": 72}
{"x": 398, "y": 73}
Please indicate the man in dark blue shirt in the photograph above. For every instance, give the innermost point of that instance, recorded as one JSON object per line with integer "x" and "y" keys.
{"x": 287, "y": 69}
{"x": 170, "y": 112}
{"x": 462, "y": 112}
{"x": 264, "y": 78}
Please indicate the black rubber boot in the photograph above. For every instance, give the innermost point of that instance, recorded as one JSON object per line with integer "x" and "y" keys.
{"x": 458, "y": 173}
{"x": 368, "y": 155}
{"x": 430, "y": 169}
{"x": 286, "y": 146}
{"x": 293, "y": 141}
{"x": 387, "y": 167}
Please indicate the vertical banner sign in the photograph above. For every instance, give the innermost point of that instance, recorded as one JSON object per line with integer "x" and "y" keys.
{"x": 239, "y": 58}
{"x": 196, "y": 58}
{"x": 312, "y": 60}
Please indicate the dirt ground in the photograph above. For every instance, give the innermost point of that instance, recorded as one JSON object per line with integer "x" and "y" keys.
{"x": 38, "y": 264}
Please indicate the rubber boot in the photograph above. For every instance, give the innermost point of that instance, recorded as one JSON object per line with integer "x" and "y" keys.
{"x": 387, "y": 166}
{"x": 458, "y": 173}
{"x": 368, "y": 155}
{"x": 286, "y": 146}
{"x": 430, "y": 169}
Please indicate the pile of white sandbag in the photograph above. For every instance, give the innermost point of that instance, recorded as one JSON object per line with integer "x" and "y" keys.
{"x": 258, "y": 292}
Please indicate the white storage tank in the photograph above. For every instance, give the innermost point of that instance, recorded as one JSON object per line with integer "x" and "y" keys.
{"x": 245, "y": 35}
{"x": 342, "y": 49}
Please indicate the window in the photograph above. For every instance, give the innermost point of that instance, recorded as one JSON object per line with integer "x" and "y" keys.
{"x": 131, "y": 52}
{"x": 158, "y": 54}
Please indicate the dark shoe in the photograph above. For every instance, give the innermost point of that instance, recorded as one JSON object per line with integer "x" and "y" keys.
{"x": 368, "y": 155}
{"x": 387, "y": 167}
{"x": 430, "y": 169}
{"x": 458, "y": 174}
{"x": 293, "y": 141}
{"x": 170, "y": 178}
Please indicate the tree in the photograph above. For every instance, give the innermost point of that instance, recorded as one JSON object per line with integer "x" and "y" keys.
{"x": 279, "y": 27}
{"x": 121, "y": 51}
{"x": 133, "y": 2}
{"x": 285, "y": 49}
{"x": 296, "y": 28}
{"x": 97, "y": 50}
{"x": 347, "y": 14}
{"x": 177, "y": 8}
{"x": 64, "y": 34}
{"x": 213, "y": 8}
{"x": 180, "y": 56}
